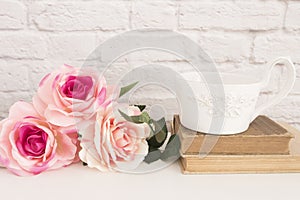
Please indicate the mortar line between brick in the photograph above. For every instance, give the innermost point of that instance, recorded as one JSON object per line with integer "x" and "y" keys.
{"x": 130, "y": 15}
{"x": 284, "y": 14}
{"x": 251, "y": 57}
{"x": 178, "y": 15}
{"x": 27, "y": 16}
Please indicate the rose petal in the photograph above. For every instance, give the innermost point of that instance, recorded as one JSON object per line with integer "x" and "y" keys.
{"x": 139, "y": 156}
{"x": 66, "y": 149}
{"x": 39, "y": 105}
{"x": 59, "y": 117}
{"x": 20, "y": 109}
{"x": 45, "y": 90}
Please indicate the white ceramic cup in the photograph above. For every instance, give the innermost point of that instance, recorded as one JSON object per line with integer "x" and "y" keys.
{"x": 225, "y": 103}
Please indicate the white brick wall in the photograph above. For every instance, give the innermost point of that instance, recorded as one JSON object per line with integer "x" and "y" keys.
{"x": 38, "y": 36}
{"x": 22, "y": 45}
{"x": 232, "y": 15}
{"x": 79, "y": 16}
{"x": 270, "y": 46}
{"x": 12, "y": 15}
{"x": 147, "y": 14}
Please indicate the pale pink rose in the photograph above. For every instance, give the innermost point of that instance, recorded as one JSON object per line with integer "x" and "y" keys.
{"x": 114, "y": 143}
{"x": 30, "y": 145}
{"x": 69, "y": 96}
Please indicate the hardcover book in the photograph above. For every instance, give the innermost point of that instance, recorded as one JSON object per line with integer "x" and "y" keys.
{"x": 247, "y": 163}
{"x": 264, "y": 136}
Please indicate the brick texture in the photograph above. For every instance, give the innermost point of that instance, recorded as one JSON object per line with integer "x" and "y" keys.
{"x": 39, "y": 36}
{"x": 12, "y": 15}
{"x": 237, "y": 15}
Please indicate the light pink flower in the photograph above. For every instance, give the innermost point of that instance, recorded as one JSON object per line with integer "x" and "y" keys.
{"x": 29, "y": 145}
{"x": 114, "y": 143}
{"x": 68, "y": 97}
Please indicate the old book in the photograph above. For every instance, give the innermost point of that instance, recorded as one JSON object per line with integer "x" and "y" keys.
{"x": 264, "y": 136}
{"x": 192, "y": 164}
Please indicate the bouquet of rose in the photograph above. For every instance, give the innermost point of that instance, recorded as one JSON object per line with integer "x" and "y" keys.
{"x": 72, "y": 118}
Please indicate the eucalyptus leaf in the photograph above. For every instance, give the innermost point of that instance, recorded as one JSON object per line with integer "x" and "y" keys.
{"x": 141, "y": 107}
{"x": 161, "y": 137}
{"x": 142, "y": 118}
{"x": 172, "y": 148}
{"x": 173, "y": 138}
{"x": 160, "y": 133}
{"x": 160, "y": 125}
{"x": 127, "y": 88}
{"x": 153, "y": 156}
{"x": 125, "y": 116}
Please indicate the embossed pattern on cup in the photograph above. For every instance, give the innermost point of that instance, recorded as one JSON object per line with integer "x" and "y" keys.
{"x": 234, "y": 106}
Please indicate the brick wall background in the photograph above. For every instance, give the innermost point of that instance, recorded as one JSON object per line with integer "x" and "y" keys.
{"x": 38, "y": 36}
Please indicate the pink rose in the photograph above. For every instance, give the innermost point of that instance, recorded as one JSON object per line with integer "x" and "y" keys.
{"x": 30, "y": 145}
{"x": 68, "y": 97}
{"x": 114, "y": 143}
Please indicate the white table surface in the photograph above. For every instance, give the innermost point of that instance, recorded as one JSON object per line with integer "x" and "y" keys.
{"x": 78, "y": 182}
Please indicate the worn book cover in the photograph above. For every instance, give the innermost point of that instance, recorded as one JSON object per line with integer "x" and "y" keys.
{"x": 259, "y": 163}
{"x": 264, "y": 136}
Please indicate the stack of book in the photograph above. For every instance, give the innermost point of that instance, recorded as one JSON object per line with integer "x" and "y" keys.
{"x": 266, "y": 147}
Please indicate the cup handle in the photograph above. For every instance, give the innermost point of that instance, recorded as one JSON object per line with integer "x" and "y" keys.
{"x": 291, "y": 74}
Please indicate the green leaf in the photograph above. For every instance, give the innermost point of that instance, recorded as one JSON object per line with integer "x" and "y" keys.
{"x": 152, "y": 156}
{"x": 161, "y": 130}
{"x": 127, "y": 88}
{"x": 125, "y": 116}
{"x": 173, "y": 137}
{"x": 172, "y": 148}
{"x": 141, "y": 107}
{"x": 142, "y": 118}
{"x": 172, "y": 151}
{"x": 160, "y": 133}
